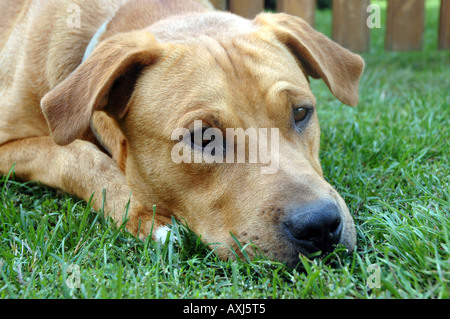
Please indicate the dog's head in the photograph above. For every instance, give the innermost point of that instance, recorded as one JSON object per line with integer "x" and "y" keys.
{"x": 178, "y": 88}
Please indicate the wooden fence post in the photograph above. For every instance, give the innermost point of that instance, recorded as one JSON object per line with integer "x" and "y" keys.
{"x": 219, "y": 4}
{"x": 304, "y": 9}
{"x": 444, "y": 25}
{"x": 350, "y": 24}
{"x": 405, "y": 25}
{"x": 246, "y": 8}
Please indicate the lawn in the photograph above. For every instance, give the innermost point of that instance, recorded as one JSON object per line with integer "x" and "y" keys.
{"x": 388, "y": 158}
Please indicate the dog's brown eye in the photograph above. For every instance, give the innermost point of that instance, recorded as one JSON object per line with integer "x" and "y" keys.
{"x": 209, "y": 140}
{"x": 207, "y": 135}
{"x": 197, "y": 139}
{"x": 300, "y": 114}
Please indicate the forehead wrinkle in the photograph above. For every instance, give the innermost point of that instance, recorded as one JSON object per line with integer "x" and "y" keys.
{"x": 295, "y": 94}
{"x": 224, "y": 63}
{"x": 220, "y": 55}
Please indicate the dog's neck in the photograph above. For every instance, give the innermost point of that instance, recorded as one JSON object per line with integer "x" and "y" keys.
{"x": 95, "y": 40}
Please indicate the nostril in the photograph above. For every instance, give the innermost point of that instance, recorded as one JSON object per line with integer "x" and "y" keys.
{"x": 336, "y": 227}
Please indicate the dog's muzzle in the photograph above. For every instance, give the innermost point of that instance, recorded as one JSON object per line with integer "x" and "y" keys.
{"x": 314, "y": 227}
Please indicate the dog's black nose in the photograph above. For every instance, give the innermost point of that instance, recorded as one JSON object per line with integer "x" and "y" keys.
{"x": 315, "y": 227}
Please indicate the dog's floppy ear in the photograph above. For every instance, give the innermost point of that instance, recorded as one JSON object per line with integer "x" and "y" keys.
{"x": 320, "y": 56}
{"x": 68, "y": 108}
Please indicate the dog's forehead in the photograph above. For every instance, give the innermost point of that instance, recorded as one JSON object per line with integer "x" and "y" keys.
{"x": 254, "y": 68}
{"x": 227, "y": 65}
{"x": 238, "y": 46}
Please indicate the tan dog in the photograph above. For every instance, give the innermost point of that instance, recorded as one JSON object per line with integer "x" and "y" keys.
{"x": 157, "y": 65}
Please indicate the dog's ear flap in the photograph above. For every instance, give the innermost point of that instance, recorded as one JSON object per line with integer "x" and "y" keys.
{"x": 320, "y": 56}
{"x": 68, "y": 108}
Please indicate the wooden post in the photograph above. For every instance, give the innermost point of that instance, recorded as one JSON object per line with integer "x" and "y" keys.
{"x": 405, "y": 25}
{"x": 219, "y": 4}
{"x": 304, "y": 9}
{"x": 350, "y": 24}
{"x": 444, "y": 25}
{"x": 246, "y": 8}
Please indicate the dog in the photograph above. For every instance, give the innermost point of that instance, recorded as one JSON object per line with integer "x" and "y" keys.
{"x": 92, "y": 91}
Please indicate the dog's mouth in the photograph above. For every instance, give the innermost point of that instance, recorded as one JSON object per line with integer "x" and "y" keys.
{"x": 283, "y": 251}
{"x": 313, "y": 230}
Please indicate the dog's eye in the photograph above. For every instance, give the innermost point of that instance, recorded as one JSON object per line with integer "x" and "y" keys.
{"x": 208, "y": 136}
{"x": 209, "y": 141}
{"x": 300, "y": 114}
{"x": 197, "y": 139}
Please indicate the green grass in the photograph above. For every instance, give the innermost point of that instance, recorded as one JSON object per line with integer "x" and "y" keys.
{"x": 388, "y": 158}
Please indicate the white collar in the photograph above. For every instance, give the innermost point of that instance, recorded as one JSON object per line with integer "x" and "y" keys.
{"x": 95, "y": 40}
